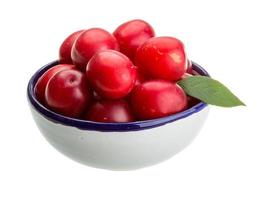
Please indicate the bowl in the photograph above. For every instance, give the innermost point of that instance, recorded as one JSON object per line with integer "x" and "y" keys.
{"x": 117, "y": 146}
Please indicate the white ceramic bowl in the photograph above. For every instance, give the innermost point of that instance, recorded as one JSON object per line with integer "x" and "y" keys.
{"x": 117, "y": 146}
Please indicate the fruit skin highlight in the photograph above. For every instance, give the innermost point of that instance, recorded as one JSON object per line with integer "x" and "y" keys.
{"x": 162, "y": 58}
{"x": 67, "y": 93}
{"x": 111, "y": 74}
{"x": 109, "y": 111}
{"x": 157, "y": 98}
{"x": 66, "y": 47}
{"x": 90, "y": 42}
{"x": 132, "y": 34}
{"x": 41, "y": 84}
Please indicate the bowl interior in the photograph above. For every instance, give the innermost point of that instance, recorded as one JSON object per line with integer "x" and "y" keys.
{"x": 100, "y": 126}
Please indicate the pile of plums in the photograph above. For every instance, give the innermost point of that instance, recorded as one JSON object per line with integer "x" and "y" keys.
{"x": 126, "y": 76}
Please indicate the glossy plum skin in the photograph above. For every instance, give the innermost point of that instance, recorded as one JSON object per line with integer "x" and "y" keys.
{"x": 109, "y": 111}
{"x": 162, "y": 58}
{"x": 41, "y": 84}
{"x": 132, "y": 34}
{"x": 140, "y": 78}
{"x": 66, "y": 47}
{"x": 111, "y": 74}
{"x": 90, "y": 42}
{"x": 189, "y": 69}
{"x": 157, "y": 98}
{"x": 67, "y": 93}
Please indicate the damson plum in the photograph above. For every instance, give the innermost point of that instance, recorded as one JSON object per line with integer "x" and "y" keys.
{"x": 41, "y": 84}
{"x": 157, "y": 98}
{"x": 67, "y": 93}
{"x": 111, "y": 74}
{"x": 90, "y": 42}
{"x": 66, "y": 47}
{"x": 109, "y": 111}
{"x": 162, "y": 58}
{"x": 132, "y": 34}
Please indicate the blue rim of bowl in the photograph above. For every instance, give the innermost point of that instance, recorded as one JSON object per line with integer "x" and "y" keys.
{"x": 106, "y": 127}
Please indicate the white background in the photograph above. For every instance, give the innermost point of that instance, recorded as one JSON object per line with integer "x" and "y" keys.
{"x": 222, "y": 162}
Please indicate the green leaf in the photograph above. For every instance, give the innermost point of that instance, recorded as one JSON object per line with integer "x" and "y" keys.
{"x": 209, "y": 91}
